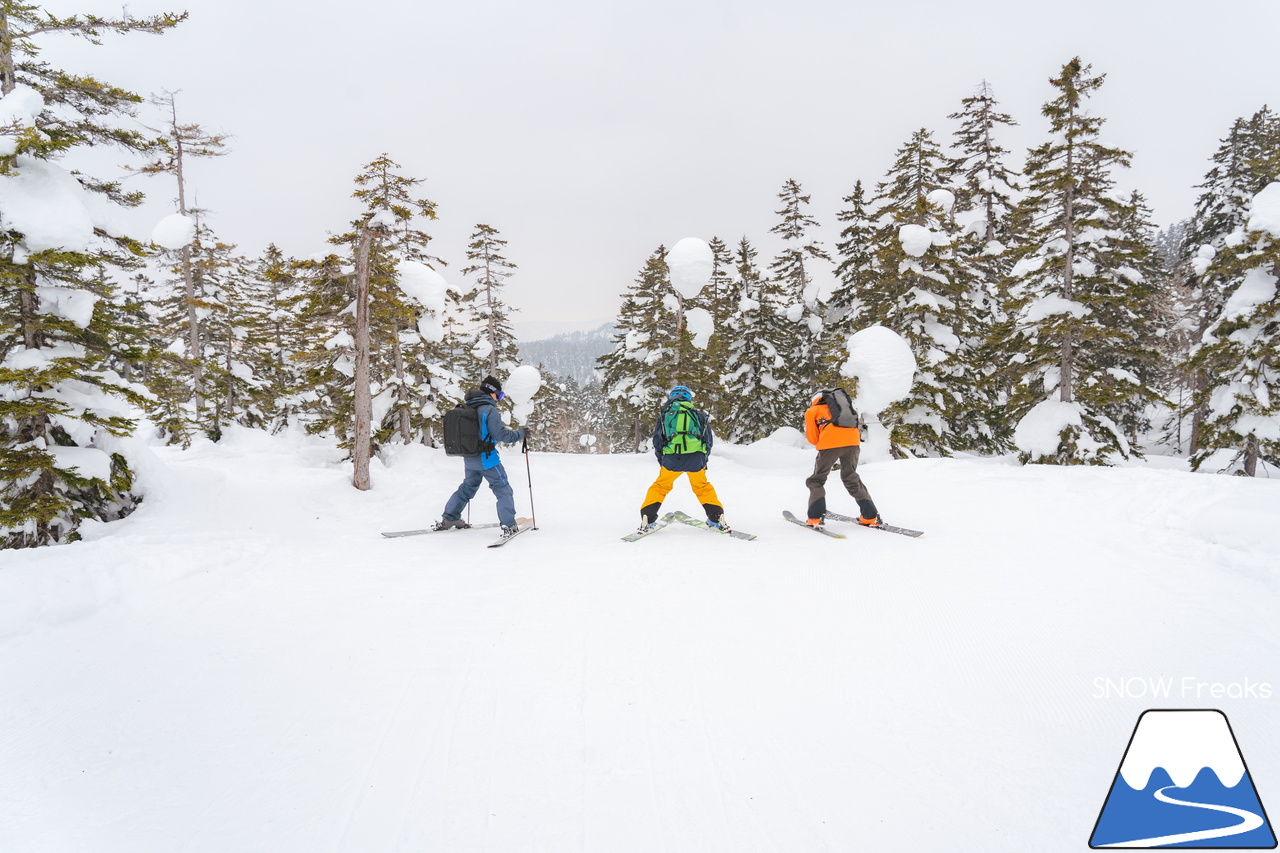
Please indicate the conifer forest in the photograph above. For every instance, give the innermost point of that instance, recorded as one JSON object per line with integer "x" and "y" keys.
{"x": 1020, "y": 279}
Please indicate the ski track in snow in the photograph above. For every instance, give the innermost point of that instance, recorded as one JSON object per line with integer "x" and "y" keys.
{"x": 245, "y": 664}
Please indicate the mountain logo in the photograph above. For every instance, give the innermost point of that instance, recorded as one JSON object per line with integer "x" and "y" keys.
{"x": 1183, "y": 783}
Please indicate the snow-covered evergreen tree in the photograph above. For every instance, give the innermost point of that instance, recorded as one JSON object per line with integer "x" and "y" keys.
{"x": 1246, "y": 161}
{"x": 856, "y": 274}
{"x": 793, "y": 269}
{"x": 1078, "y": 292}
{"x": 495, "y": 350}
{"x": 62, "y": 406}
{"x": 179, "y": 143}
{"x": 758, "y": 338}
{"x": 1239, "y": 352}
{"x": 923, "y": 292}
{"x": 644, "y": 363}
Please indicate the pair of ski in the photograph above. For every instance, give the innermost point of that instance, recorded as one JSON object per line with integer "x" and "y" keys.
{"x": 831, "y": 516}
{"x": 684, "y": 519}
{"x": 522, "y": 524}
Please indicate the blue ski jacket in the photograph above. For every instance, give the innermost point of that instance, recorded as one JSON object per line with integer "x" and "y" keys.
{"x": 491, "y": 429}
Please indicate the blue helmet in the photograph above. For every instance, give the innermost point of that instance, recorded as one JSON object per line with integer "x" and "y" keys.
{"x": 680, "y": 393}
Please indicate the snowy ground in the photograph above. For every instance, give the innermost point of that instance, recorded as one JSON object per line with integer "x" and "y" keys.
{"x": 245, "y": 665}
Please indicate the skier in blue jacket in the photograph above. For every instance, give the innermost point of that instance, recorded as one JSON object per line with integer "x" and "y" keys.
{"x": 488, "y": 465}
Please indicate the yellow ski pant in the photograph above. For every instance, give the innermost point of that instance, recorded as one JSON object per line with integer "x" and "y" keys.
{"x": 702, "y": 488}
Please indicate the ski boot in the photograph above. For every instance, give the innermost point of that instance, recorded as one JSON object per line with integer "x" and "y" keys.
{"x": 448, "y": 524}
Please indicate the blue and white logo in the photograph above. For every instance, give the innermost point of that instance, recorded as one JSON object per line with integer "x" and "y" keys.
{"x": 1183, "y": 783}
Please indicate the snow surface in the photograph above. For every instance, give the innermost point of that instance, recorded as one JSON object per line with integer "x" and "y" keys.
{"x": 1264, "y": 215}
{"x": 690, "y": 263}
{"x": 245, "y": 664}
{"x": 1040, "y": 430}
{"x": 174, "y": 231}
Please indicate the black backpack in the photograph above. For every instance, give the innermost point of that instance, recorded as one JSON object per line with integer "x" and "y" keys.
{"x": 843, "y": 414}
{"x": 462, "y": 432}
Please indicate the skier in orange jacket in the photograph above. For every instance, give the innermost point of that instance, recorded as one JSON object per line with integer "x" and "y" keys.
{"x": 835, "y": 444}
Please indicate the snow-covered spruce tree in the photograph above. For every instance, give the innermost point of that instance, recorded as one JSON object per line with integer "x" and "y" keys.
{"x": 187, "y": 296}
{"x": 923, "y": 293}
{"x": 855, "y": 275}
{"x": 495, "y": 351}
{"x": 1077, "y": 294}
{"x": 1246, "y": 161}
{"x": 985, "y": 189}
{"x": 1239, "y": 352}
{"x": 411, "y": 369}
{"x": 1134, "y": 306}
{"x": 177, "y": 144}
{"x": 224, "y": 311}
{"x": 793, "y": 270}
{"x": 61, "y": 406}
{"x": 644, "y": 360}
{"x": 275, "y": 293}
{"x": 719, "y": 299}
{"x": 757, "y": 338}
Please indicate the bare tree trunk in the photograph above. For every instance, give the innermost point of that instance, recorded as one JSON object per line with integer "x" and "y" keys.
{"x": 1251, "y": 453}
{"x": 8, "y": 76}
{"x": 361, "y": 445}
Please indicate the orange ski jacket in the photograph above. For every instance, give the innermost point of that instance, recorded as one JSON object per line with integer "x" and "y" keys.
{"x": 825, "y": 435}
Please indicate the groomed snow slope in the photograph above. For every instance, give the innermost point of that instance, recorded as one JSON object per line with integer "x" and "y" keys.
{"x": 246, "y": 665}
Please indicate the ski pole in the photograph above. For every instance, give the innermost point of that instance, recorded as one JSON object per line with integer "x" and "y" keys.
{"x": 529, "y": 473}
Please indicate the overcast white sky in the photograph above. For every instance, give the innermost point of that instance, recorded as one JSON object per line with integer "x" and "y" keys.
{"x": 588, "y": 133}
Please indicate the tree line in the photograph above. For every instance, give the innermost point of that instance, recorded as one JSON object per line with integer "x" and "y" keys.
{"x": 1031, "y": 294}
{"x": 1011, "y": 287}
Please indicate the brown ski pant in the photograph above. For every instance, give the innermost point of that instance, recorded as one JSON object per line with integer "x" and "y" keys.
{"x": 848, "y": 459}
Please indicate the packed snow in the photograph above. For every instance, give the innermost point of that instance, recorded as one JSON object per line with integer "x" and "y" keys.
{"x": 18, "y": 110}
{"x": 1264, "y": 214}
{"x": 47, "y": 205}
{"x": 690, "y": 262}
{"x": 520, "y": 386}
{"x": 422, "y": 284}
{"x": 174, "y": 231}
{"x": 245, "y": 664}
{"x": 882, "y": 363}
{"x": 915, "y": 239}
{"x": 701, "y": 325}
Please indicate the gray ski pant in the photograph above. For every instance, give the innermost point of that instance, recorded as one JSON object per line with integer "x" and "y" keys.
{"x": 848, "y": 459}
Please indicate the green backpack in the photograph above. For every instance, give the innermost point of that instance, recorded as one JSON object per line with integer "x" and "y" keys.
{"x": 682, "y": 428}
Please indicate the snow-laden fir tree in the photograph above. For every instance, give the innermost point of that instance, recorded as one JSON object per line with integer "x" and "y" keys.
{"x": 1239, "y": 352}
{"x": 856, "y": 274}
{"x": 62, "y": 407}
{"x": 495, "y": 351}
{"x": 645, "y": 360}
{"x": 1246, "y": 161}
{"x": 758, "y": 338}
{"x": 985, "y": 188}
{"x": 794, "y": 270}
{"x": 923, "y": 291}
{"x": 179, "y": 143}
{"x": 719, "y": 299}
{"x": 1077, "y": 292}
{"x": 412, "y": 361}
{"x": 276, "y": 292}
